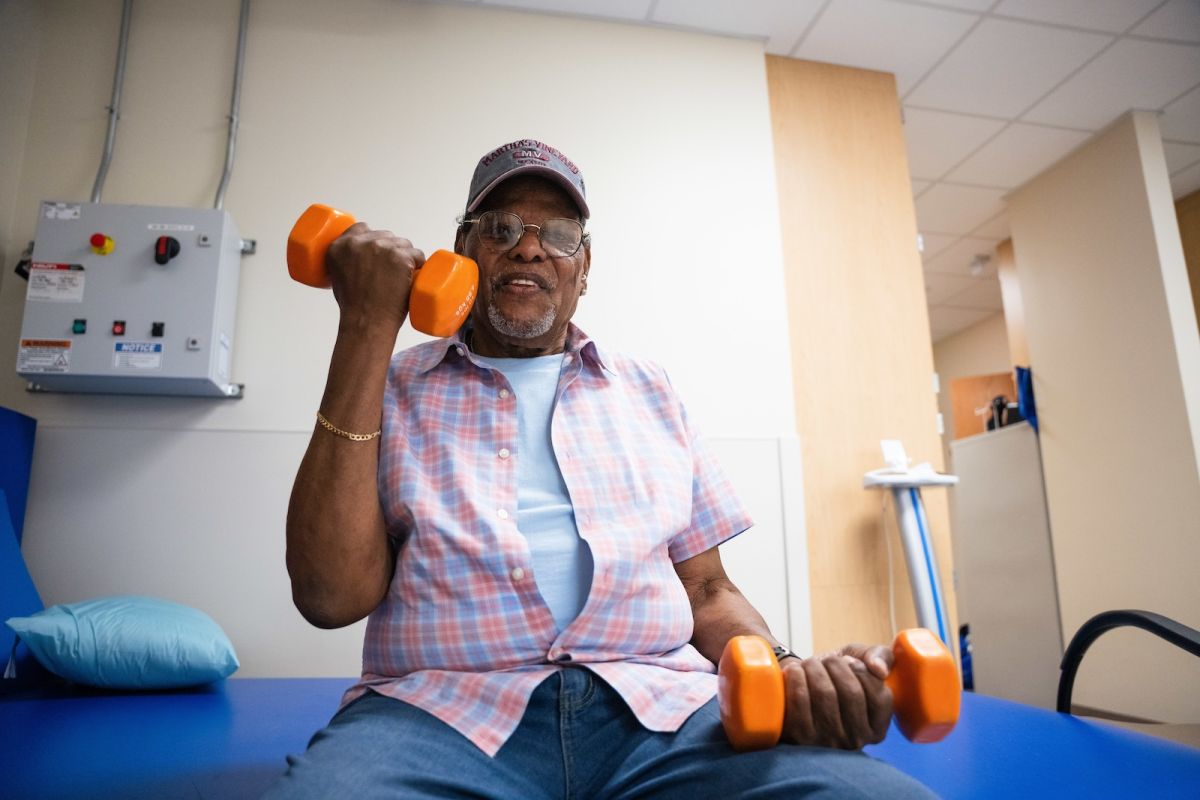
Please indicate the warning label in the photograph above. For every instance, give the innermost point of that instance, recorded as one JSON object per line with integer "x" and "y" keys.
{"x": 137, "y": 355}
{"x": 55, "y": 283}
{"x": 44, "y": 355}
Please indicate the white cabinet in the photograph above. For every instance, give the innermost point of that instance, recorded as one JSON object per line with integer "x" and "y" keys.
{"x": 1004, "y": 565}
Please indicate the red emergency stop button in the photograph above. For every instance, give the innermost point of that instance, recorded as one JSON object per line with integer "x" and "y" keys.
{"x": 118, "y": 327}
{"x": 102, "y": 244}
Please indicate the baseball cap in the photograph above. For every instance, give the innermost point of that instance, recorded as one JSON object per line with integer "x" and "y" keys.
{"x": 523, "y": 157}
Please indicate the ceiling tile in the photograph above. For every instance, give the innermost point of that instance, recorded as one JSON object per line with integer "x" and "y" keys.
{"x": 1186, "y": 182}
{"x": 1181, "y": 120}
{"x": 936, "y": 243}
{"x": 956, "y": 259}
{"x": 938, "y": 140}
{"x": 965, "y": 5}
{"x": 1178, "y": 19}
{"x": 903, "y": 39}
{"x": 1003, "y": 67}
{"x": 1019, "y": 153}
{"x": 957, "y": 209}
{"x": 982, "y": 293}
{"x": 941, "y": 286}
{"x": 1114, "y": 16}
{"x": 944, "y": 321}
{"x": 1130, "y": 74}
{"x": 779, "y": 22}
{"x": 615, "y": 9}
{"x": 996, "y": 228}
{"x": 1180, "y": 156}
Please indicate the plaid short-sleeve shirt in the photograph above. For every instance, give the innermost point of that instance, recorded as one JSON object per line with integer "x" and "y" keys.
{"x": 463, "y": 632}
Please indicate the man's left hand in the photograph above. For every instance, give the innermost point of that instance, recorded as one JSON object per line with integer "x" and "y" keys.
{"x": 838, "y": 699}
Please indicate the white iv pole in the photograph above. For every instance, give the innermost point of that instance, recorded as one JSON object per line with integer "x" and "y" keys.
{"x": 905, "y": 485}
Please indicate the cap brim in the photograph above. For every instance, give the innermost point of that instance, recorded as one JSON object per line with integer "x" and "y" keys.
{"x": 546, "y": 172}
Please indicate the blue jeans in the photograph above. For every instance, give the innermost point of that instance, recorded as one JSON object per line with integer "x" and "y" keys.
{"x": 577, "y": 739}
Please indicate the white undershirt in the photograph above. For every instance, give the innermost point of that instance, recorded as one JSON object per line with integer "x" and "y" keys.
{"x": 562, "y": 560}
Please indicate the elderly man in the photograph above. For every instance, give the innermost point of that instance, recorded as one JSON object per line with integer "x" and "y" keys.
{"x": 534, "y": 537}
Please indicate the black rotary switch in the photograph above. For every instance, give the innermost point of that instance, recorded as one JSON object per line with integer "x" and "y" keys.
{"x": 166, "y": 248}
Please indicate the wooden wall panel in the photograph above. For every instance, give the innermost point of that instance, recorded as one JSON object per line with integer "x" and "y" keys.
{"x": 863, "y": 358}
{"x": 1014, "y": 308}
{"x": 968, "y": 395}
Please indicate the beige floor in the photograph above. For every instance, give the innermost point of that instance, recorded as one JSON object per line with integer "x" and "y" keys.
{"x": 1188, "y": 734}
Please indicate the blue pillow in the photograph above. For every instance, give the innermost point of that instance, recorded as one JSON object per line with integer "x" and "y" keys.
{"x": 128, "y": 643}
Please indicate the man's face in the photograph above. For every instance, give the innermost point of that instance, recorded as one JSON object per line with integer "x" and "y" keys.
{"x": 526, "y": 297}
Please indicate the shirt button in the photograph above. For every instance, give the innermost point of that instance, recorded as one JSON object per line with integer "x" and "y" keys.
{"x": 503, "y": 394}
{"x": 460, "y": 351}
{"x": 504, "y": 452}
{"x": 517, "y": 574}
{"x": 502, "y": 514}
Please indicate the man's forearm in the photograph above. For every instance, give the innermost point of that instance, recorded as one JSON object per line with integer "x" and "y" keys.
{"x": 337, "y": 551}
{"x": 720, "y": 612}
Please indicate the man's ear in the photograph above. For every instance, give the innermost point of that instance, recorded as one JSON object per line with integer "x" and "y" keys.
{"x": 587, "y": 264}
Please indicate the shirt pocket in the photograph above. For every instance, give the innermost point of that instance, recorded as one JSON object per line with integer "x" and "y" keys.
{"x": 640, "y": 480}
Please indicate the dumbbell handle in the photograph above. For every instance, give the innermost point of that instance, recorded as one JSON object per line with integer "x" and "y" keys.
{"x": 924, "y": 682}
{"x": 443, "y": 289}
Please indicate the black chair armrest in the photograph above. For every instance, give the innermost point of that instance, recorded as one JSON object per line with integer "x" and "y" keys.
{"x": 1174, "y": 632}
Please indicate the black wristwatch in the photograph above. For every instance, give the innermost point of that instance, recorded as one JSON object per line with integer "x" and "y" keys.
{"x": 782, "y": 652}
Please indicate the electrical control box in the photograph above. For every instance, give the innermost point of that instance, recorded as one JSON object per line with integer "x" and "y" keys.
{"x": 131, "y": 300}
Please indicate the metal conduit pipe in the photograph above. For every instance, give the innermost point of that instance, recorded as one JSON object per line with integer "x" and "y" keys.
{"x": 234, "y": 105}
{"x": 114, "y": 106}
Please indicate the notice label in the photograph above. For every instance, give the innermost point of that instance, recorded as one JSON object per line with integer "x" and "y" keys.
{"x": 44, "y": 355}
{"x": 60, "y": 210}
{"x": 170, "y": 226}
{"x": 55, "y": 283}
{"x": 137, "y": 355}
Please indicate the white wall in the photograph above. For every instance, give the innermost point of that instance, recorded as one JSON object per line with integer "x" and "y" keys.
{"x": 19, "y": 35}
{"x": 383, "y": 108}
{"x": 198, "y": 517}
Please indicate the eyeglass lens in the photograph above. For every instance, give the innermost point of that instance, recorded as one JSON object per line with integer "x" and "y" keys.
{"x": 501, "y": 230}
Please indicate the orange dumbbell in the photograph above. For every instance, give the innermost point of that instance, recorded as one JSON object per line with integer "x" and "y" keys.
{"x": 443, "y": 289}
{"x": 924, "y": 683}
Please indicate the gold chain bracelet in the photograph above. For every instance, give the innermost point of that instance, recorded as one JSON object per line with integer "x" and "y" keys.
{"x": 354, "y": 437}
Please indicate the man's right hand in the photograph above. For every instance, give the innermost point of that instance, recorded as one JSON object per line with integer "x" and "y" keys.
{"x": 838, "y": 699}
{"x": 372, "y": 273}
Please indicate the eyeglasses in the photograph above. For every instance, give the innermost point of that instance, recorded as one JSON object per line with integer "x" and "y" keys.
{"x": 500, "y": 231}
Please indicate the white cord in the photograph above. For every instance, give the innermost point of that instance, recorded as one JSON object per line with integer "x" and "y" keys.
{"x": 891, "y": 575}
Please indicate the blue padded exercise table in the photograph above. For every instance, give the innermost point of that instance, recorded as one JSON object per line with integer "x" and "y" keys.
{"x": 230, "y": 740}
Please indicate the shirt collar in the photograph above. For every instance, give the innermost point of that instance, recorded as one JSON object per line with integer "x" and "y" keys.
{"x": 455, "y": 346}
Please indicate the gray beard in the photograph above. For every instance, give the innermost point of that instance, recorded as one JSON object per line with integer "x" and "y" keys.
{"x": 522, "y": 330}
